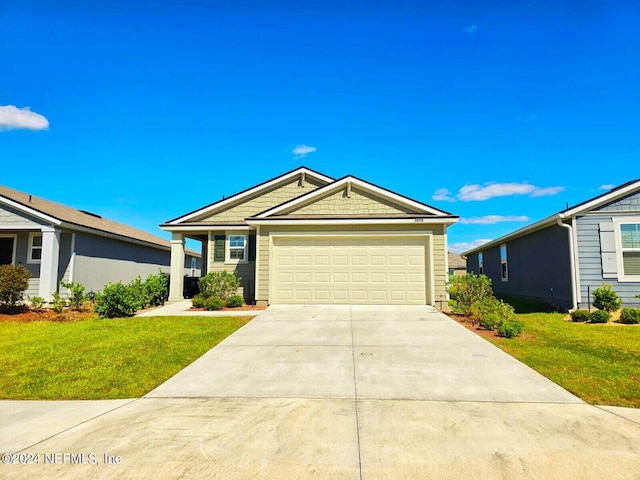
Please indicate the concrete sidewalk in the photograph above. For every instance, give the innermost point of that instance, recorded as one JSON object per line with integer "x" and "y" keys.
{"x": 341, "y": 392}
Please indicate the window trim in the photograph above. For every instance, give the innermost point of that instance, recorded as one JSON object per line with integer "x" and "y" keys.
{"x": 31, "y": 248}
{"x": 480, "y": 263}
{"x": 617, "y": 230}
{"x": 504, "y": 271}
{"x": 228, "y": 248}
{"x": 15, "y": 245}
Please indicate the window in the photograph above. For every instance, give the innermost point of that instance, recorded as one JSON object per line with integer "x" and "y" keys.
{"x": 35, "y": 248}
{"x": 480, "y": 264}
{"x": 630, "y": 242}
{"x": 504, "y": 270}
{"x": 237, "y": 247}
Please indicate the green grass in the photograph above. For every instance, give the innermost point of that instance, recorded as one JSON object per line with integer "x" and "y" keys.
{"x": 101, "y": 359}
{"x": 598, "y": 363}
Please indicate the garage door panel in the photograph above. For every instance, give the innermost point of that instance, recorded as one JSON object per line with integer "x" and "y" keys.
{"x": 375, "y": 270}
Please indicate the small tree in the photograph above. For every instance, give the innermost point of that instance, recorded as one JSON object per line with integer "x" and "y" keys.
{"x": 606, "y": 299}
{"x": 468, "y": 290}
{"x": 14, "y": 281}
{"x": 76, "y": 294}
{"x": 219, "y": 284}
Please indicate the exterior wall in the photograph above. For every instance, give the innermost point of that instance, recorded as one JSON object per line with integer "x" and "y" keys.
{"x": 536, "y": 263}
{"x": 266, "y": 200}
{"x": 100, "y": 260}
{"x": 246, "y": 271}
{"x": 440, "y": 273}
{"x": 358, "y": 203}
{"x": 590, "y": 256}
{"x": 10, "y": 217}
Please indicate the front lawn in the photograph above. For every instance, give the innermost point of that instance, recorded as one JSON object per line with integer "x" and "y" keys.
{"x": 101, "y": 359}
{"x": 598, "y": 363}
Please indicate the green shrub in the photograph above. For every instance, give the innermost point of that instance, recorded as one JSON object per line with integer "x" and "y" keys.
{"x": 492, "y": 312}
{"x": 198, "y": 301}
{"x": 138, "y": 293}
{"x": 76, "y": 294}
{"x": 234, "y": 301}
{"x": 580, "y": 316}
{"x": 600, "y": 316}
{"x": 58, "y": 303}
{"x": 630, "y": 316}
{"x": 510, "y": 328}
{"x": 14, "y": 281}
{"x": 156, "y": 290}
{"x": 37, "y": 303}
{"x": 213, "y": 303}
{"x": 606, "y": 299}
{"x": 117, "y": 300}
{"x": 468, "y": 289}
{"x": 219, "y": 284}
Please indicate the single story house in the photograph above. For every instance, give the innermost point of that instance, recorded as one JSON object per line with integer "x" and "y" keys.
{"x": 562, "y": 258}
{"x": 304, "y": 237}
{"x": 457, "y": 264}
{"x": 59, "y": 243}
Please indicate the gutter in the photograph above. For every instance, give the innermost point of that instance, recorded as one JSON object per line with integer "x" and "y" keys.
{"x": 572, "y": 262}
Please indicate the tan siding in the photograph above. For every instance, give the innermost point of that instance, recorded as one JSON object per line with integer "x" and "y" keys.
{"x": 359, "y": 202}
{"x": 439, "y": 249}
{"x": 266, "y": 200}
{"x": 246, "y": 270}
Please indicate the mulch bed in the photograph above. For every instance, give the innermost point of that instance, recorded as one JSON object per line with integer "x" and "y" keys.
{"x": 474, "y": 326}
{"x": 25, "y": 315}
{"x": 235, "y": 309}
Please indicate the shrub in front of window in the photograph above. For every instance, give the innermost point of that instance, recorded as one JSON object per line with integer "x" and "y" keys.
{"x": 469, "y": 289}
{"x": 492, "y": 312}
{"x": 604, "y": 298}
{"x": 219, "y": 284}
{"x": 14, "y": 281}
{"x": 510, "y": 328}
{"x": 213, "y": 303}
{"x": 580, "y": 316}
{"x": 116, "y": 300}
{"x": 600, "y": 316}
{"x": 234, "y": 301}
{"x": 630, "y": 316}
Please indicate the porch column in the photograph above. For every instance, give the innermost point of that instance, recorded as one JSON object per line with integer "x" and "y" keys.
{"x": 176, "y": 282}
{"x": 49, "y": 262}
{"x": 204, "y": 260}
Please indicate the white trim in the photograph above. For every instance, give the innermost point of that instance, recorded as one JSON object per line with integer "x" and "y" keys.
{"x": 30, "y": 211}
{"x": 33, "y": 226}
{"x": 429, "y": 269}
{"x": 356, "y": 221}
{"x": 576, "y": 260}
{"x": 617, "y": 222}
{"x": 257, "y": 266}
{"x": 227, "y": 248}
{"x": 604, "y": 199}
{"x": 205, "y": 228}
{"x": 72, "y": 261}
{"x": 250, "y": 192}
{"x": 348, "y": 181}
{"x": 211, "y": 248}
{"x": 30, "y": 260}
{"x": 15, "y": 245}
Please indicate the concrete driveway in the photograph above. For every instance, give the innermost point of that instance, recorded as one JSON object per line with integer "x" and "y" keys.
{"x": 348, "y": 392}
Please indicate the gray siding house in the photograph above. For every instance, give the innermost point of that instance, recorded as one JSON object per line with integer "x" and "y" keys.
{"x": 59, "y": 243}
{"x": 562, "y": 258}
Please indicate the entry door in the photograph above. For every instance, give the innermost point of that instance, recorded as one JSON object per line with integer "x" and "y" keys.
{"x": 6, "y": 250}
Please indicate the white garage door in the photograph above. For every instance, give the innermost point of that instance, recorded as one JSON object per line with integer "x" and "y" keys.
{"x": 365, "y": 270}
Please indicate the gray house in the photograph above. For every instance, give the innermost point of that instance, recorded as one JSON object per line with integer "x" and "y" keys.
{"x": 559, "y": 259}
{"x": 59, "y": 243}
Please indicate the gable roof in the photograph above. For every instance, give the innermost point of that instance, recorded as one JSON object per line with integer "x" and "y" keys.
{"x": 64, "y": 216}
{"x": 456, "y": 261}
{"x": 419, "y": 207}
{"x": 220, "y": 204}
{"x": 583, "y": 207}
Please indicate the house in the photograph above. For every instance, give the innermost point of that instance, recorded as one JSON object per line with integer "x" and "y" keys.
{"x": 304, "y": 237}
{"x": 457, "y": 264}
{"x": 562, "y": 258}
{"x": 59, "y": 243}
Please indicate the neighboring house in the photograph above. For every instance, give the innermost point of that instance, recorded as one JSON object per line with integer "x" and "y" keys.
{"x": 304, "y": 237}
{"x": 562, "y": 258}
{"x": 457, "y": 265}
{"x": 59, "y": 243}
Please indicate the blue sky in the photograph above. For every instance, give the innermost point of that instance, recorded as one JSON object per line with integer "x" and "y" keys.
{"x": 500, "y": 112}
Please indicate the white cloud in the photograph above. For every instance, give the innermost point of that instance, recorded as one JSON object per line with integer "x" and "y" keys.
{"x": 471, "y": 29}
{"x": 12, "y": 117}
{"x": 491, "y": 219}
{"x": 464, "y": 246}
{"x": 301, "y": 151}
{"x": 606, "y": 186}
{"x": 543, "y": 192}
{"x": 443, "y": 195}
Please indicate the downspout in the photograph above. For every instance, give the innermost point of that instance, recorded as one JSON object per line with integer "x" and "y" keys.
{"x": 572, "y": 262}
